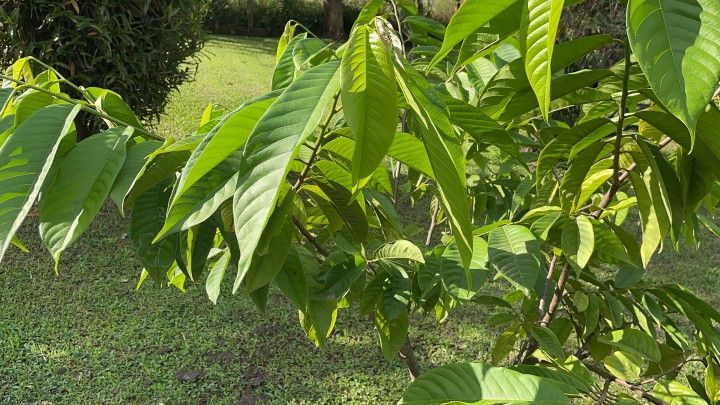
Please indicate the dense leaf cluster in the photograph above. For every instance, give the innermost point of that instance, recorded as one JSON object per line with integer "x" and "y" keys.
{"x": 141, "y": 49}
{"x": 549, "y": 226}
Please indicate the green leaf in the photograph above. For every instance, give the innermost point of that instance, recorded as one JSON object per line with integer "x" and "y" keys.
{"x": 444, "y": 151}
{"x": 654, "y": 217}
{"x": 146, "y": 219}
{"x": 578, "y": 241}
{"x": 272, "y": 146}
{"x": 292, "y": 279}
{"x": 332, "y": 196}
{"x": 160, "y": 165}
{"x": 200, "y": 240}
{"x": 285, "y": 67}
{"x": 538, "y": 29}
{"x": 633, "y": 341}
{"x": 266, "y": 264}
{"x": 516, "y": 254}
{"x": 30, "y": 102}
{"x": 548, "y": 342}
{"x": 571, "y": 383}
{"x": 411, "y": 152}
{"x": 112, "y": 104}
{"x": 369, "y": 100}
{"x": 287, "y": 35}
{"x": 481, "y": 384}
{"x": 25, "y": 159}
{"x": 134, "y": 162}
{"x": 391, "y": 332}
{"x": 675, "y": 393}
{"x": 217, "y": 273}
{"x": 472, "y": 15}
{"x": 623, "y": 365}
{"x": 82, "y": 183}
{"x": 400, "y": 249}
{"x": 676, "y": 45}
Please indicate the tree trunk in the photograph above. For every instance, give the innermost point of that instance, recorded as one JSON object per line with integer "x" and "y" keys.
{"x": 250, "y": 13}
{"x": 420, "y": 7}
{"x": 334, "y": 19}
{"x": 428, "y": 7}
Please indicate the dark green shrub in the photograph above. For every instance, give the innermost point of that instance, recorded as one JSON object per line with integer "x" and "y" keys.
{"x": 142, "y": 49}
{"x": 268, "y": 17}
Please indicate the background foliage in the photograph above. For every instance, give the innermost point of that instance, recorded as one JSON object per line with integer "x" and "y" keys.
{"x": 141, "y": 49}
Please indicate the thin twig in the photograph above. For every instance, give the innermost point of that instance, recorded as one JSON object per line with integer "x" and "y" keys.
{"x": 316, "y": 148}
{"x": 433, "y": 224}
{"x": 632, "y": 387}
{"x": 548, "y": 282}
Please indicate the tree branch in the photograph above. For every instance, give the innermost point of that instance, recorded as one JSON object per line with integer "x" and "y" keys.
{"x": 83, "y": 106}
{"x": 632, "y": 387}
{"x": 433, "y": 224}
{"x": 406, "y": 353}
{"x": 310, "y": 238}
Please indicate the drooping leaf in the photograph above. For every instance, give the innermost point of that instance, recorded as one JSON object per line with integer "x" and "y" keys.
{"x": 391, "y": 332}
{"x": 482, "y": 384}
{"x": 217, "y": 273}
{"x": 369, "y": 101}
{"x": 82, "y": 183}
{"x": 25, "y": 159}
{"x": 538, "y": 29}
{"x": 444, "y": 151}
{"x": 272, "y": 146}
{"x": 676, "y": 45}
{"x": 146, "y": 219}
{"x": 675, "y": 393}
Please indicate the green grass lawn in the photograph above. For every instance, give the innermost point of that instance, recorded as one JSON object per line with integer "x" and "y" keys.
{"x": 86, "y": 335}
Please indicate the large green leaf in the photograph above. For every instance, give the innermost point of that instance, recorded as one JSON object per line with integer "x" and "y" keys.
{"x": 516, "y": 254}
{"x": 369, "y": 101}
{"x": 25, "y": 159}
{"x": 539, "y": 27}
{"x": 578, "y": 241}
{"x": 471, "y": 15}
{"x": 677, "y": 44}
{"x": 475, "y": 383}
{"x": 82, "y": 183}
{"x": 444, "y": 151}
{"x": 272, "y": 146}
